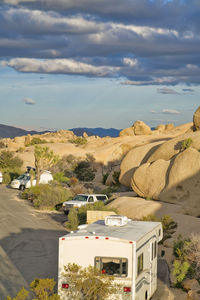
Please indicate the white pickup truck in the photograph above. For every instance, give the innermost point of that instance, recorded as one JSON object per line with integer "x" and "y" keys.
{"x": 83, "y": 199}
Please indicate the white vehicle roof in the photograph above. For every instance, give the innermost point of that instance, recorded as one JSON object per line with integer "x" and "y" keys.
{"x": 91, "y": 195}
{"x": 133, "y": 230}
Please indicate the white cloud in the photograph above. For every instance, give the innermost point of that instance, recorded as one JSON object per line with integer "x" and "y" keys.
{"x": 167, "y": 91}
{"x": 61, "y": 66}
{"x": 130, "y": 62}
{"x": 170, "y": 111}
{"x": 29, "y": 101}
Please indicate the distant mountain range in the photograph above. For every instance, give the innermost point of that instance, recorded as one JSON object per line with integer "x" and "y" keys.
{"x": 11, "y": 131}
{"x": 102, "y": 132}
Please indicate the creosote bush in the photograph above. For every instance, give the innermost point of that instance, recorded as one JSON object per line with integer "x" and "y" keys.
{"x": 78, "y": 141}
{"x": 84, "y": 171}
{"x": 42, "y": 289}
{"x": 46, "y": 196}
{"x": 60, "y": 177}
{"x": 35, "y": 141}
{"x": 186, "y": 144}
{"x": 187, "y": 259}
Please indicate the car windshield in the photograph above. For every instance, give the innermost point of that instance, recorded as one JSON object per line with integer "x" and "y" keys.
{"x": 80, "y": 198}
{"x": 21, "y": 177}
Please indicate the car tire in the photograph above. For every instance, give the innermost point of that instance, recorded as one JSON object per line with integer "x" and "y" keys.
{"x": 66, "y": 212}
{"x": 22, "y": 187}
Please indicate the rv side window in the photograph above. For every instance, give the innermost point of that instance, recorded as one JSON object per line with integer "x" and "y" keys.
{"x": 155, "y": 249}
{"x": 112, "y": 266}
{"x": 140, "y": 264}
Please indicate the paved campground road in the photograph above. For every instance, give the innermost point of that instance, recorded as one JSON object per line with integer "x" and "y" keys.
{"x": 29, "y": 246}
{"x": 28, "y": 243}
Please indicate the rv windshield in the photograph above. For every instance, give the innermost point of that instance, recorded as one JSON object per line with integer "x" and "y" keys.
{"x": 80, "y": 198}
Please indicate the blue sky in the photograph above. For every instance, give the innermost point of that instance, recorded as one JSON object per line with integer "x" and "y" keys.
{"x": 88, "y": 63}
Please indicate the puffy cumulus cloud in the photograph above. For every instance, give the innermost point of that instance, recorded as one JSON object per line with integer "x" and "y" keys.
{"x": 170, "y": 111}
{"x": 29, "y": 101}
{"x": 143, "y": 41}
{"x": 165, "y": 90}
{"x": 60, "y": 66}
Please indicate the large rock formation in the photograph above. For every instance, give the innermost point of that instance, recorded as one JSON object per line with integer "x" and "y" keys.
{"x": 167, "y": 172}
{"x": 133, "y": 159}
{"x": 196, "y": 119}
{"x": 140, "y": 128}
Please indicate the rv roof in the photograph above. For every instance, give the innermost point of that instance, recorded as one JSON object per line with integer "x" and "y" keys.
{"x": 133, "y": 230}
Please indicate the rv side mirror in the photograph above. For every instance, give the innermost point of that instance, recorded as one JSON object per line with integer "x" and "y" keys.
{"x": 162, "y": 253}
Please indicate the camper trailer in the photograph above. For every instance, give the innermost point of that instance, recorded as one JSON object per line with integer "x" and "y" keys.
{"x": 119, "y": 247}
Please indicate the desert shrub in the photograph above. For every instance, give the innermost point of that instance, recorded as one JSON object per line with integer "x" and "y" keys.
{"x": 42, "y": 289}
{"x": 180, "y": 270}
{"x": 109, "y": 190}
{"x": 9, "y": 161}
{"x": 186, "y": 144}
{"x": 84, "y": 171}
{"x": 78, "y": 141}
{"x": 73, "y": 181}
{"x": 66, "y": 164}
{"x": 46, "y": 196}
{"x": 88, "y": 283}
{"x": 9, "y": 175}
{"x": 72, "y": 223}
{"x": 60, "y": 177}
{"x": 105, "y": 176}
{"x": 35, "y": 141}
{"x": 188, "y": 251}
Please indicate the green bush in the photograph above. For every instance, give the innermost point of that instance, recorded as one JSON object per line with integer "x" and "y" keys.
{"x": 45, "y": 196}
{"x": 78, "y": 141}
{"x": 72, "y": 223}
{"x": 180, "y": 270}
{"x": 60, "y": 177}
{"x": 187, "y": 251}
{"x": 186, "y": 144}
{"x": 105, "y": 176}
{"x": 36, "y": 141}
{"x": 84, "y": 171}
{"x": 9, "y": 161}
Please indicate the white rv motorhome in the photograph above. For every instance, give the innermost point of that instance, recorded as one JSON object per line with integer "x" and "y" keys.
{"x": 119, "y": 247}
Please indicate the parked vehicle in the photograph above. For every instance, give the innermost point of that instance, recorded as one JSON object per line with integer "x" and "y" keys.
{"x": 83, "y": 199}
{"x": 1, "y": 177}
{"x": 119, "y": 247}
{"x": 24, "y": 180}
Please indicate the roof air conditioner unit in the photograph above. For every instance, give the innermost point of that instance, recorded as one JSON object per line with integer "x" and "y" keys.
{"x": 116, "y": 220}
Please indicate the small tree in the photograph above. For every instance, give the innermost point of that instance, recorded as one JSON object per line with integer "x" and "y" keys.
{"x": 88, "y": 283}
{"x": 72, "y": 223}
{"x": 44, "y": 159}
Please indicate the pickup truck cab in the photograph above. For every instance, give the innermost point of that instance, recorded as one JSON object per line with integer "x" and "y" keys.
{"x": 83, "y": 199}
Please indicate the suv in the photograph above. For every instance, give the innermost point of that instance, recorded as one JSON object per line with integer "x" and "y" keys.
{"x": 83, "y": 199}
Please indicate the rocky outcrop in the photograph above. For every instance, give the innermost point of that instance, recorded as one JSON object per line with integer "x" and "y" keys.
{"x": 134, "y": 158}
{"x": 196, "y": 119}
{"x": 163, "y": 127}
{"x": 167, "y": 172}
{"x": 127, "y": 132}
{"x": 149, "y": 180}
{"x": 140, "y": 128}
